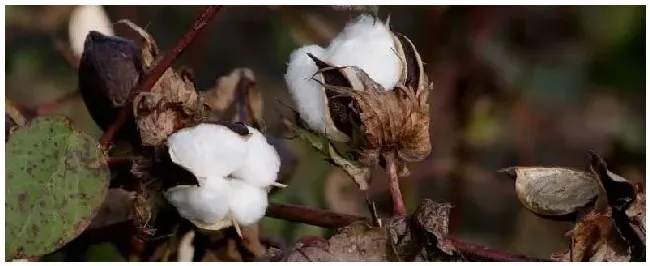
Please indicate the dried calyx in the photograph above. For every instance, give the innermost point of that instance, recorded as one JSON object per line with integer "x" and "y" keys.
{"x": 368, "y": 88}
{"x": 234, "y": 166}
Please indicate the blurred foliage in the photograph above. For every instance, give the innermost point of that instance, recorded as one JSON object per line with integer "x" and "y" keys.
{"x": 522, "y": 85}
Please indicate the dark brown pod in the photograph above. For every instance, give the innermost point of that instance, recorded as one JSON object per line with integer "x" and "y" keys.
{"x": 109, "y": 69}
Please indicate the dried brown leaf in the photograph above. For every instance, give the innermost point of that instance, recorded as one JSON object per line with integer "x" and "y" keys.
{"x": 594, "y": 238}
{"x": 172, "y": 103}
{"x": 222, "y": 95}
{"x": 419, "y": 237}
{"x": 356, "y": 242}
{"x": 249, "y": 107}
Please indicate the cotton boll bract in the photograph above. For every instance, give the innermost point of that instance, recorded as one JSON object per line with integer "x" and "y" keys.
{"x": 369, "y": 45}
{"x": 247, "y": 204}
{"x": 263, "y": 162}
{"x": 206, "y": 204}
{"x": 208, "y": 150}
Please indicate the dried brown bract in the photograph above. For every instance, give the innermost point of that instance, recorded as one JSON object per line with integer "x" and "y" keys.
{"x": 377, "y": 120}
{"x": 172, "y": 103}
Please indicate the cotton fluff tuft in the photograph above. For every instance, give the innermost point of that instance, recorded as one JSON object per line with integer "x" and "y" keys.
{"x": 247, "y": 204}
{"x": 208, "y": 150}
{"x": 83, "y": 20}
{"x": 369, "y": 45}
{"x": 305, "y": 91}
{"x": 364, "y": 43}
{"x": 207, "y": 203}
{"x": 262, "y": 164}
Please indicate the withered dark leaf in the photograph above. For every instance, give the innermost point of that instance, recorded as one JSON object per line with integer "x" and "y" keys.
{"x": 594, "y": 238}
{"x": 222, "y": 95}
{"x": 421, "y": 236}
{"x": 356, "y": 242}
{"x": 250, "y": 105}
{"x": 109, "y": 70}
{"x": 621, "y": 194}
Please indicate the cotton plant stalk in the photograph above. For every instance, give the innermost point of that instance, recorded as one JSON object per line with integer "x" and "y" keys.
{"x": 367, "y": 89}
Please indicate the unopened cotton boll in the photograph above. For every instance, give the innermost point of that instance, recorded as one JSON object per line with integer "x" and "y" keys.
{"x": 247, "y": 203}
{"x": 305, "y": 91}
{"x": 367, "y": 44}
{"x": 207, "y": 203}
{"x": 262, "y": 164}
{"x": 208, "y": 150}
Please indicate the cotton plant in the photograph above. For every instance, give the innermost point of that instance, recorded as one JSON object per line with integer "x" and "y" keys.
{"x": 368, "y": 89}
{"x": 234, "y": 165}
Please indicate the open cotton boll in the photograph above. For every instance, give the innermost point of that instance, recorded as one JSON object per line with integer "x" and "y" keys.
{"x": 247, "y": 203}
{"x": 263, "y": 162}
{"x": 306, "y": 92}
{"x": 83, "y": 20}
{"x": 369, "y": 45}
{"x": 206, "y": 204}
{"x": 208, "y": 150}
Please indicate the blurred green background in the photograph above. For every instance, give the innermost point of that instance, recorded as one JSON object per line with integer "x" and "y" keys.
{"x": 512, "y": 86}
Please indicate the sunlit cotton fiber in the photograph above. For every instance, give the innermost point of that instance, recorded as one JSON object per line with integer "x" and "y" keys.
{"x": 262, "y": 164}
{"x": 208, "y": 150}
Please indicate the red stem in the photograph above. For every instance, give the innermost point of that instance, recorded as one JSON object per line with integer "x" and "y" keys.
{"x": 393, "y": 185}
{"x": 199, "y": 24}
{"x": 330, "y": 219}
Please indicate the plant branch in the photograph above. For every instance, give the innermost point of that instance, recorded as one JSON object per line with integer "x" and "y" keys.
{"x": 393, "y": 185}
{"x": 199, "y": 24}
{"x": 330, "y": 219}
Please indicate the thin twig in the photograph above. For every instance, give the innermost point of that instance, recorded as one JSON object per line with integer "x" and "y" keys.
{"x": 330, "y": 219}
{"x": 393, "y": 185}
{"x": 316, "y": 217}
{"x": 157, "y": 72}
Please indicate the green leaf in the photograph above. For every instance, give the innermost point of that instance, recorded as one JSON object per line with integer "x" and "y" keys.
{"x": 56, "y": 180}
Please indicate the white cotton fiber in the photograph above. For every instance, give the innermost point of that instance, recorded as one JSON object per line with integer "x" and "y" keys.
{"x": 207, "y": 203}
{"x": 247, "y": 203}
{"x": 367, "y": 44}
{"x": 208, "y": 150}
{"x": 306, "y": 92}
{"x": 83, "y": 20}
{"x": 263, "y": 162}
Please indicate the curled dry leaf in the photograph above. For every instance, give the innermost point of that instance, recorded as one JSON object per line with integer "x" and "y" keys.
{"x": 594, "y": 238}
{"x": 621, "y": 197}
{"x": 222, "y": 95}
{"x": 172, "y": 103}
{"x": 241, "y": 84}
{"x": 421, "y": 236}
{"x": 554, "y": 191}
